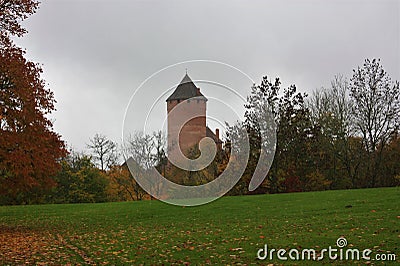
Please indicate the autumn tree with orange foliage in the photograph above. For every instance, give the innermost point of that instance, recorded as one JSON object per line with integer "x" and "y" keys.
{"x": 29, "y": 148}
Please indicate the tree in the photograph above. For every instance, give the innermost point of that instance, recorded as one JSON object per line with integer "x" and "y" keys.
{"x": 29, "y": 148}
{"x": 142, "y": 148}
{"x": 331, "y": 115}
{"x": 160, "y": 156}
{"x": 331, "y": 108}
{"x": 294, "y": 131}
{"x": 79, "y": 181}
{"x": 316, "y": 182}
{"x": 376, "y": 110}
{"x": 12, "y": 12}
{"x": 122, "y": 185}
{"x": 390, "y": 173}
{"x": 104, "y": 151}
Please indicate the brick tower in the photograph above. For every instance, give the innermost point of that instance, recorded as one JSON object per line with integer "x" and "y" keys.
{"x": 190, "y": 100}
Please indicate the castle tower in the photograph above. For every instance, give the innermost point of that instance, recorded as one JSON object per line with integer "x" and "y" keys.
{"x": 190, "y": 100}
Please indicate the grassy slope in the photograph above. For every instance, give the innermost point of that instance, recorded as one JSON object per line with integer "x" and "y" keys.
{"x": 227, "y": 231}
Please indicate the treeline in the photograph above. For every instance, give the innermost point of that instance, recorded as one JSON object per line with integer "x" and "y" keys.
{"x": 97, "y": 174}
{"x": 342, "y": 137}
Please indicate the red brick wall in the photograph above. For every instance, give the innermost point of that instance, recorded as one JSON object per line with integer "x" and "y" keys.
{"x": 194, "y": 130}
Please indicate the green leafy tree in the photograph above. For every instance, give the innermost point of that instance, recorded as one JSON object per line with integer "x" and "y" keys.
{"x": 294, "y": 132}
{"x": 79, "y": 181}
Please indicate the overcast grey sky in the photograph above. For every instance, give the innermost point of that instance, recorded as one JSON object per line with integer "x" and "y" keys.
{"x": 96, "y": 53}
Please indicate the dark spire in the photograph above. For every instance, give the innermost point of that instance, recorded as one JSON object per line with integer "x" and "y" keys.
{"x": 186, "y": 90}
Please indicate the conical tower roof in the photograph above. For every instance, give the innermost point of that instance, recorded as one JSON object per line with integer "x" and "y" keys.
{"x": 185, "y": 90}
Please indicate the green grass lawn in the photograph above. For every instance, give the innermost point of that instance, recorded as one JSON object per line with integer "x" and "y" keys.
{"x": 227, "y": 231}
